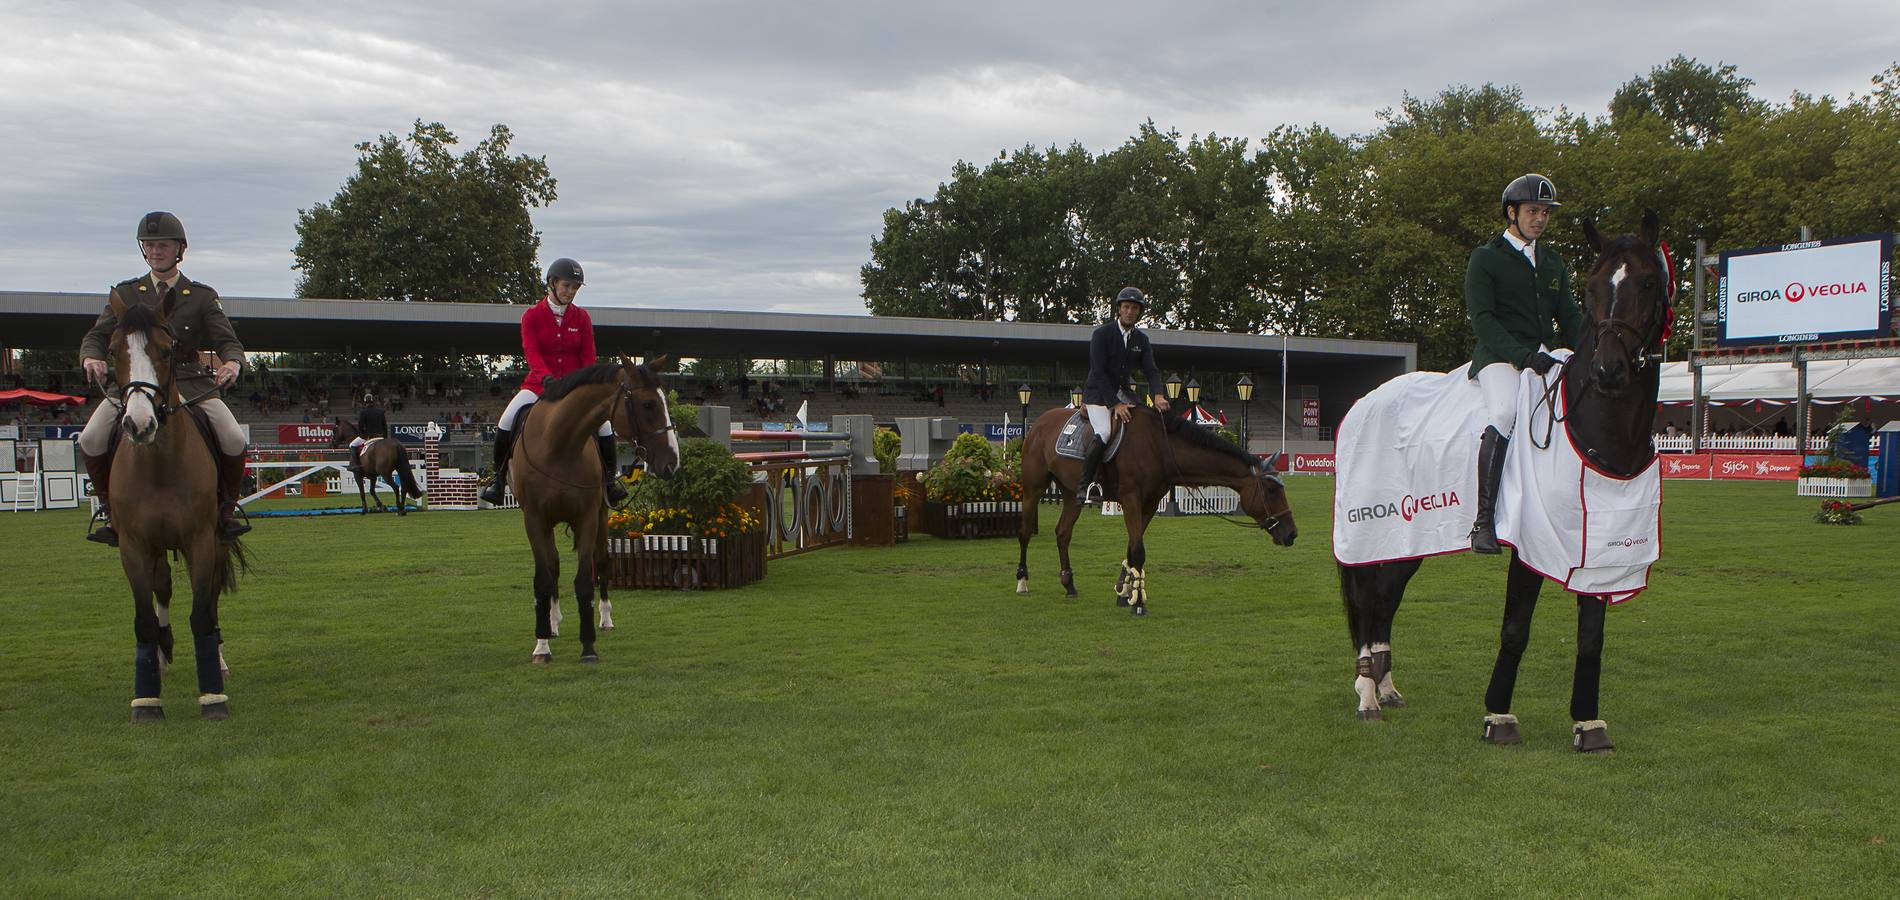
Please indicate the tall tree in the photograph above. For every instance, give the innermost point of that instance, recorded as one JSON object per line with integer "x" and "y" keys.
{"x": 417, "y": 222}
{"x": 1696, "y": 101}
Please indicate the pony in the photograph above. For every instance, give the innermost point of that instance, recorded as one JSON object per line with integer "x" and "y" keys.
{"x": 1158, "y": 453}
{"x": 164, "y": 497}
{"x": 1609, "y": 387}
{"x": 556, "y": 478}
{"x": 383, "y": 458}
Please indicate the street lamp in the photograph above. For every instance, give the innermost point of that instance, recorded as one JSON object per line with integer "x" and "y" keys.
{"x": 1244, "y": 390}
{"x": 1075, "y": 397}
{"x": 1194, "y": 391}
{"x": 1022, "y": 396}
{"x": 1174, "y": 386}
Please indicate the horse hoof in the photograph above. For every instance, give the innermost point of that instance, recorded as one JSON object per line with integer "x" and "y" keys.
{"x": 589, "y": 658}
{"x": 1140, "y": 609}
{"x": 145, "y": 714}
{"x": 1394, "y": 700}
{"x": 1594, "y": 740}
{"x": 1022, "y": 585}
{"x": 1501, "y": 730}
{"x": 1368, "y": 715}
{"x": 542, "y": 659}
{"x": 1072, "y": 594}
{"x": 215, "y": 712}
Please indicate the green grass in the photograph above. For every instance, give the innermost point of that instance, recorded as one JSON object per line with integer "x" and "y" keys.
{"x": 899, "y": 722}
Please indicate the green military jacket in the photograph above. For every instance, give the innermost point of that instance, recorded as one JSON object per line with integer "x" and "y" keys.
{"x": 198, "y": 321}
{"x": 1511, "y": 305}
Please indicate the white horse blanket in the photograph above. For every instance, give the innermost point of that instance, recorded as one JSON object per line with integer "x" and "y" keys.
{"x": 1407, "y": 458}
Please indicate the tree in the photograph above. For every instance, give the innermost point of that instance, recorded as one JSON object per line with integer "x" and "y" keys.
{"x": 418, "y": 223}
{"x": 1697, "y": 102}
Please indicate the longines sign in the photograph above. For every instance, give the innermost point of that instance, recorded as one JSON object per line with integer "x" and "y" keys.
{"x": 1801, "y": 293}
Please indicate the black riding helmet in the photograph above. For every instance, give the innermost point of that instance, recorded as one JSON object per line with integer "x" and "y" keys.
{"x": 161, "y": 226}
{"x": 566, "y": 270}
{"x": 1531, "y": 188}
{"x": 1131, "y": 295}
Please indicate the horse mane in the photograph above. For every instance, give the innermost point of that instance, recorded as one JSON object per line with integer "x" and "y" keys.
{"x": 138, "y": 317}
{"x": 1205, "y": 439}
{"x": 598, "y": 373}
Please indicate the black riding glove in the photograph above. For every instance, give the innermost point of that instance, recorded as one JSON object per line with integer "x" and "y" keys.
{"x": 1540, "y": 361}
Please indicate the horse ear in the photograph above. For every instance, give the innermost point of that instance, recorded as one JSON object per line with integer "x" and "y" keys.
{"x": 657, "y": 363}
{"x": 1652, "y": 227}
{"x": 1272, "y": 463}
{"x": 1590, "y": 234}
{"x": 116, "y": 302}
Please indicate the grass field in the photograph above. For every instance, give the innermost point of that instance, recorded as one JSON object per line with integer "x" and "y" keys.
{"x": 898, "y": 722}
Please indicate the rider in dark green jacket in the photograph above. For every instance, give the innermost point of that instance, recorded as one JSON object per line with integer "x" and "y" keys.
{"x": 1515, "y": 288}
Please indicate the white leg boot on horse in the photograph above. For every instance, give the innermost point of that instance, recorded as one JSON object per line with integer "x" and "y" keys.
{"x": 1366, "y": 686}
{"x": 1382, "y": 673}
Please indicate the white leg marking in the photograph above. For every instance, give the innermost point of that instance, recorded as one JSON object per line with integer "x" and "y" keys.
{"x": 1022, "y": 585}
{"x": 606, "y": 616}
{"x": 554, "y": 616}
{"x": 541, "y": 647}
{"x": 164, "y": 614}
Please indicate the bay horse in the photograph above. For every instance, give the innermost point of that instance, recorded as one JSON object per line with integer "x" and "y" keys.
{"x": 164, "y": 497}
{"x": 1609, "y": 387}
{"x": 556, "y": 478}
{"x": 1158, "y": 453}
{"x": 382, "y": 457}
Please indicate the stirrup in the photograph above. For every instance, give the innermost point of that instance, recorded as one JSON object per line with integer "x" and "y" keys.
{"x": 99, "y": 529}
{"x": 237, "y": 526}
{"x": 1091, "y": 494}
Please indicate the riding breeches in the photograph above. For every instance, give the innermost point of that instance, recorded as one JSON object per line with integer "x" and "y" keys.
{"x": 522, "y": 400}
{"x": 1498, "y": 382}
{"x": 1101, "y": 420}
{"x": 97, "y": 435}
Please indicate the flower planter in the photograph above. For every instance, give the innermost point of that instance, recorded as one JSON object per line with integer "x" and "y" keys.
{"x": 962, "y": 521}
{"x": 1834, "y": 487}
{"x": 678, "y": 562}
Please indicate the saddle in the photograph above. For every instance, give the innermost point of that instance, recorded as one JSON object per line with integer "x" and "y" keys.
{"x": 1076, "y": 434}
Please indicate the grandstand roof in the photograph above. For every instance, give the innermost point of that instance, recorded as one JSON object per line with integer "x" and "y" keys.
{"x": 33, "y": 319}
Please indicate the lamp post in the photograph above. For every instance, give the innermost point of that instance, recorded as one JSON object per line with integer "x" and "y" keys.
{"x": 1244, "y": 390}
{"x": 1174, "y": 387}
{"x": 1194, "y": 391}
{"x": 1075, "y": 397}
{"x": 1022, "y": 396}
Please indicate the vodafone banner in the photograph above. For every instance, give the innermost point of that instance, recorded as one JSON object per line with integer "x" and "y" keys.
{"x": 1813, "y": 291}
{"x": 1312, "y": 463}
{"x": 312, "y": 433}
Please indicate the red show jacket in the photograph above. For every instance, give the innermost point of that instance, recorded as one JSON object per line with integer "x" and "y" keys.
{"x": 555, "y": 350}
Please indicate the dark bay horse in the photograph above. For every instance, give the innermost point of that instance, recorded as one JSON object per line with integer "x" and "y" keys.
{"x": 556, "y": 477}
{"x": 1158, "y": 453}
{"x": 1609, "y": 388}
{"x": 385, "y": 458}
{"x": 164, "y": 497}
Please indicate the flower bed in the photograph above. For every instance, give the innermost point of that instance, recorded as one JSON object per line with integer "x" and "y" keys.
{"x": 1837, "y": 512}
{"x": 680, "y": 562}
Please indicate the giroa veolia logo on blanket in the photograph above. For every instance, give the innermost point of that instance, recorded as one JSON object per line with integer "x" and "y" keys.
{"x": 1405, "y": 508}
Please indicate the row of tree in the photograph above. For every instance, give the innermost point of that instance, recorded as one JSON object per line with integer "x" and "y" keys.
{"x": 1366, "y": 236}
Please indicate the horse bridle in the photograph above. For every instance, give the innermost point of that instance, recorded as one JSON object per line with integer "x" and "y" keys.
{"x": 154, "y": 393}
{"x": 1636, "y": 346}
{"x": 639, "y": 444}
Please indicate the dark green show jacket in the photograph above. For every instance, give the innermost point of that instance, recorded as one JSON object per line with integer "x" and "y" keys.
{"x": 1511, "y": 305}
{"x": 198, "y": 321}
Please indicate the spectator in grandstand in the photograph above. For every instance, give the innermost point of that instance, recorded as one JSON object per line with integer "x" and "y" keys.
{"x": 1514, "y": 287}
{"x": 199, "y": 323}
{"x": 557, "y": 337}
{"x": 1115, "y": 350}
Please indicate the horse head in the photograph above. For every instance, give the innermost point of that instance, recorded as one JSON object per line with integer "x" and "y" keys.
{"x": 341, "y": 433}
{"x": 645, "y": 419}
{"x": 1626, "y": 304}
{"x": 142, "y": 361}
{"x": 1264, "y": 498}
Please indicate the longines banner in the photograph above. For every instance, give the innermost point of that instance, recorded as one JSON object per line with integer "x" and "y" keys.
{"x": 1800, "y": 293}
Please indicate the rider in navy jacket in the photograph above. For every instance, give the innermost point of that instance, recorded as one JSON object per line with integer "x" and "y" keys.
{"x": 1115, "y": 350}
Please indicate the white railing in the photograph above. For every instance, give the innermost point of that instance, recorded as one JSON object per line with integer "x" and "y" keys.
{"x": 1682, "y": 443}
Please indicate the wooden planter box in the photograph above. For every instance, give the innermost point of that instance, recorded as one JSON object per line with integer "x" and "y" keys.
{"x": 677, "y": 562}
{"x": 995, "y": 518}
{"x": 1834, "y": 487}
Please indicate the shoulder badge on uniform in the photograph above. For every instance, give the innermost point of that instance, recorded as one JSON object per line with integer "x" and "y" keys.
{"x": 185, "y": 291}
{"x": 143, "y": 288}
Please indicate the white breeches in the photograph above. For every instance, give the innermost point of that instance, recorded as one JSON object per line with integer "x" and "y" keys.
{"x": 94, "y": 438}
{"x": 1499, "y": 382}
{"x": 1100, "y": 420}
{"x": 521, "y": 401}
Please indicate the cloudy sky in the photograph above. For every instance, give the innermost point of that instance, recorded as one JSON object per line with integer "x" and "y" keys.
{"x": 718, "y": 155}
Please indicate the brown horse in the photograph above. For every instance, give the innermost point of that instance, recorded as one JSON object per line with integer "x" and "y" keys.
{"x": 1158, "y": 453}
{"x": 384, "y": 458}
{"x": 164, "y": 497}
{"x": 556, "y": 477}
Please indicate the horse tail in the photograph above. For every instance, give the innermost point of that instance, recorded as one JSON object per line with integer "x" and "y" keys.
{"x": 406, "y": 474}
{"x": 235, "y": 559}
{"x": 1352, "y": 611}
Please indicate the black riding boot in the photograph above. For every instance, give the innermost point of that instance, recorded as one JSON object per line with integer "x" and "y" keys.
{"x": 1491, "y": 447}
{"x": 610, "y": 470}
{"x": 1089, "y": 464}
{"x": 504, "y": 444}
{"x": 230, "y": 488}
{"x": 100, "y": 469}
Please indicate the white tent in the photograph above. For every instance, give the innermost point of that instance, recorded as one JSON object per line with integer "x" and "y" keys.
{"x": 1828, "y": 379}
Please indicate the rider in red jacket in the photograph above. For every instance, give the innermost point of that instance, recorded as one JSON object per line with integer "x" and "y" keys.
{"x": 557, "y": 337}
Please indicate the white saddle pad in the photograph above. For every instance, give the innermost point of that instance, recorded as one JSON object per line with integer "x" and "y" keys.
{"x": 1407, "y": 457}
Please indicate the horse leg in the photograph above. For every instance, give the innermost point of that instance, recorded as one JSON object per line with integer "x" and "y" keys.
{"x": 1591, "y": 734}
{"x": 1137, "y": 519}
{"x": 362, "y": 498}
{"x": 1065, "y": 528}
{"x": 588, "y": 535}
{"x": 1035, "y": 478}
{"x": 146, "y": 704}
{"x": 547, "y": 570}
{"x": 380, "y": 507}
{"x": 1372, "y": 594}
{"x": 162, "y": 607}
{"x": 207, "y": 581}
{"x": 1520, "y": 603}
{"x": 1382, "y": 635}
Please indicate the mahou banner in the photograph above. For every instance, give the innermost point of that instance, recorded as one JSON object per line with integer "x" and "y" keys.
{"x": 1799, "y": 293}
{"x": 308, "y": 433}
